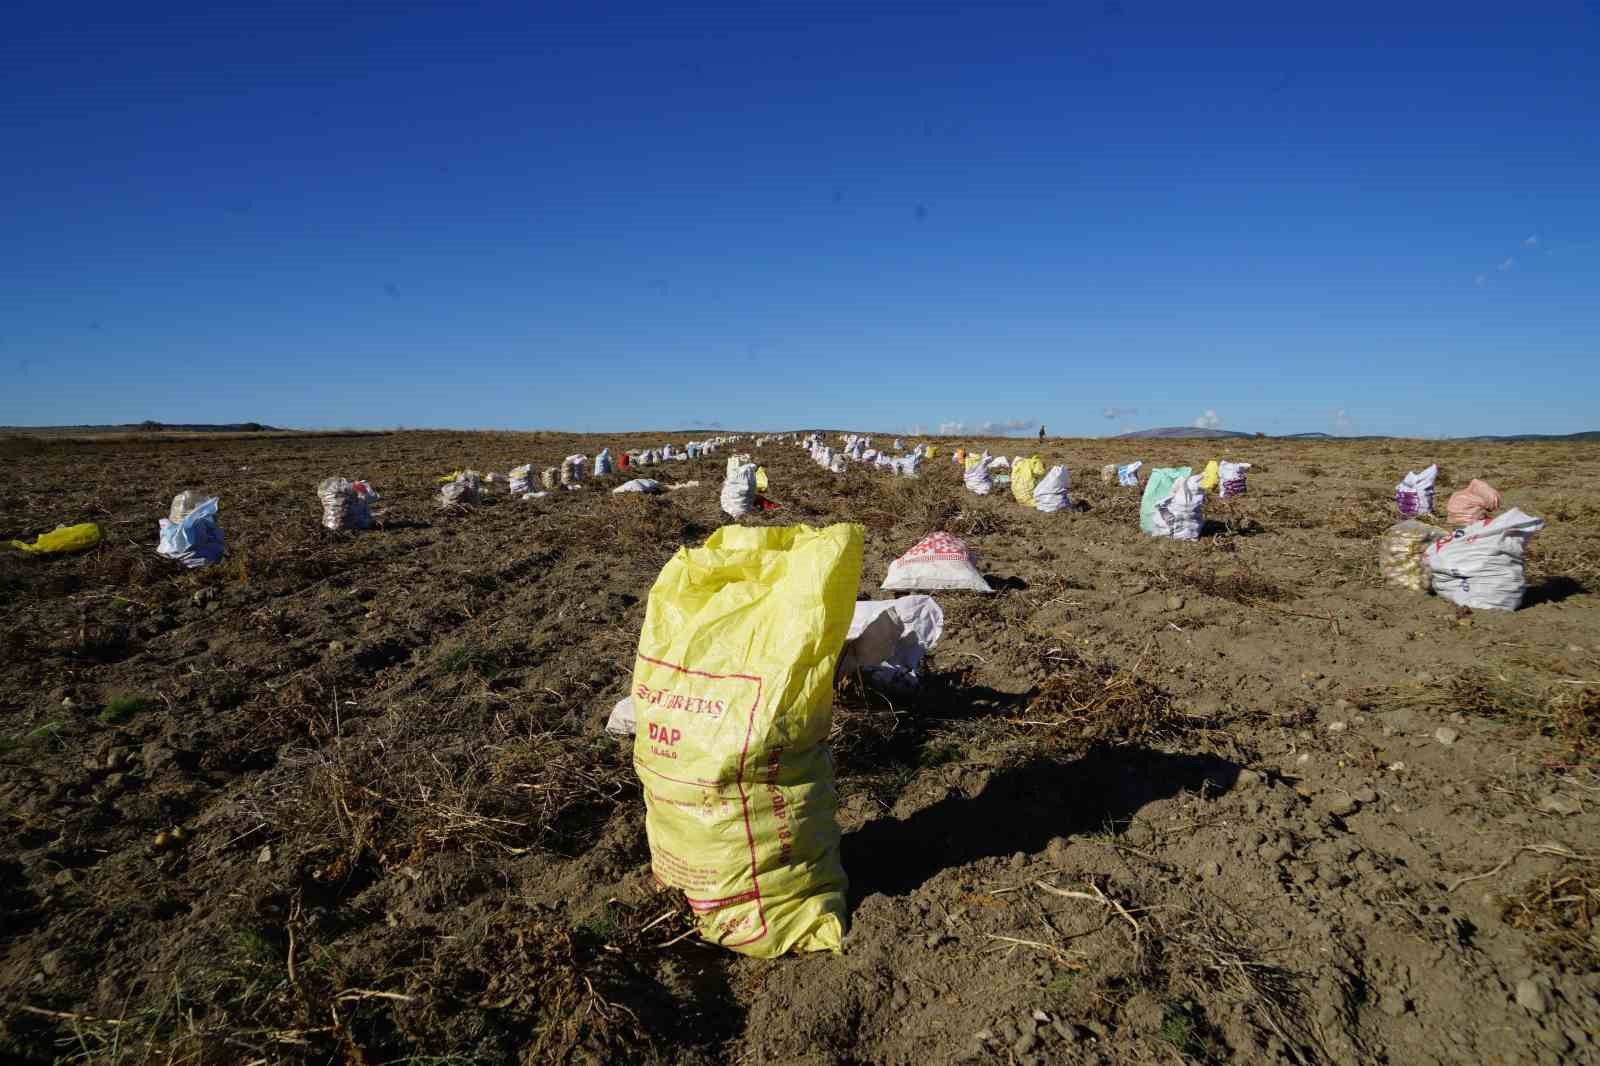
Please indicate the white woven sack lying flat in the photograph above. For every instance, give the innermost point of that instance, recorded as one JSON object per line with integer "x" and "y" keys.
{"x": 938, "y": 562}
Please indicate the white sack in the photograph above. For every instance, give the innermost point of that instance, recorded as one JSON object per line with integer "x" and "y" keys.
{"x": 1050, "y": 492}
{"x": 1182, "y": 514}
{"x": 1481, "y": 565}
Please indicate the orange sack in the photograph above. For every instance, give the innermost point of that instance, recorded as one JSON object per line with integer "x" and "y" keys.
{"x": 1472, "y": 504}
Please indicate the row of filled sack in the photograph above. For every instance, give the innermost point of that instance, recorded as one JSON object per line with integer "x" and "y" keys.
{"x": 192, "y": 533}
{"x": 466, "y": 486}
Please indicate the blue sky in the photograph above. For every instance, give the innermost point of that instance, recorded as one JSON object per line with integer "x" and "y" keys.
{"x": 1102, "y": 216}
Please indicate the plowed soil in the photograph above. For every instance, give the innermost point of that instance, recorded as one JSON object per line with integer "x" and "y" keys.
{"x": 348, "y": 798}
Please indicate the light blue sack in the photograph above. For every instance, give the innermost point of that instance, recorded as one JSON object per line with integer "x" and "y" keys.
{"x": 196, "y": 540}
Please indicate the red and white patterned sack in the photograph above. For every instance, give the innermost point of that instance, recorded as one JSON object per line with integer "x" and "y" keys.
{"x": 938, "y": 562}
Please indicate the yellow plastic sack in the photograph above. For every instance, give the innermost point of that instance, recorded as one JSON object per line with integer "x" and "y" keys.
{"x": 451, "y": 476}
{"x": 733, "y": 699}
{"x": 1023, "y": 476}
{"x": 761, "y": 479}
{"x": 62, "y": 539}
{"x": 1210, "y": 477}
{"x": 927, "y": 453}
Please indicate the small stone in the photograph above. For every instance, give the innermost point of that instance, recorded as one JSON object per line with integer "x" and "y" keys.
{"x": 68, "y": 703}
{"x": 1249, "y": 778}
{"x": 1530, "y": 997}
{"x": 163, "y": 840}
{"x": 983, "y": 1036}
{"x": 1340, "y": 804}
{"x": 335, "y": 647}
{"x": 1364, "y": 794}
{"x": 1555, "y": 803}
{"x": 1210, "y": 870}
{"x": 1019, "y": 860}
{"x": 157, "y": 757}
{"x": 1025, "y": 1043}
{"x": 1446, "y": 736}
{"x": 64, "y": 879}
{"x": 1396, "y": 767}
{"x": 1040, "y": 1016}
{"x": 934, "y": 939}
{"x": 1337, "y": 727}
{"x": 1273, "y": 853}
{"x": 203, "y": 597}
{"x": 50, "y": 962}
{"x": 1174, "y": 602}
{"x": 1340, "y": 706}
{"x": 1066, "y": 1032}
{"x": 116, "y": 781}
{"x": 1393, "y": 1003}
{"x": 1555, "y": 1040}
{"x": 264, "y": 856}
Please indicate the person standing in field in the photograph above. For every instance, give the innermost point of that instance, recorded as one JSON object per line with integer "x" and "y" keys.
{"x": 1041, "y": 432}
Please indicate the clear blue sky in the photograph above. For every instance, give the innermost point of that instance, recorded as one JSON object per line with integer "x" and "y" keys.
{"x": 592, "y": 216}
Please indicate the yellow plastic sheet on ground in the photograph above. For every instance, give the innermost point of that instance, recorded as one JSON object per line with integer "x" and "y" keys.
{"x": 1210, "y": 477}
{"x": 1023, "y": 476}
{"x": 451, "y": 476}
{"x": 761, "y": 479}
{"x": 733, "y": 699}
{"x": 62, "y": 539}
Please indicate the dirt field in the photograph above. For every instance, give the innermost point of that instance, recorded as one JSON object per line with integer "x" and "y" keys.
{"x": 348, "y": 798}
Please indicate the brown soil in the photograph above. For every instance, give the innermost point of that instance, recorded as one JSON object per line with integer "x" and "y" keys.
{"x": 1158, "y": 802}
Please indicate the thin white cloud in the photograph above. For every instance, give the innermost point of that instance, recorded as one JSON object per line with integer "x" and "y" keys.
{"x": 1115, "y": 413}
{"x": 1209, "y": 420}
{"x": 1531, "y": 242}
{"x": 1507, "y": 265}
{"x": 1006, "y": 428}
{"x": 990, "y": 428}
{"x": 1481, "y": 280}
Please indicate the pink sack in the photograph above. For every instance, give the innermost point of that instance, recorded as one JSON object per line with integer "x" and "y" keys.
{"x": 1472, "y": 504}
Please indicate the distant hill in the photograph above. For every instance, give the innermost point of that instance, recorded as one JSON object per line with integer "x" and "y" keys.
{"x": 1591, "y": 435}
{"x": 1191, "y": 433}
{"x": 153, "y": 427}
{"x": 1180, "y": 433}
